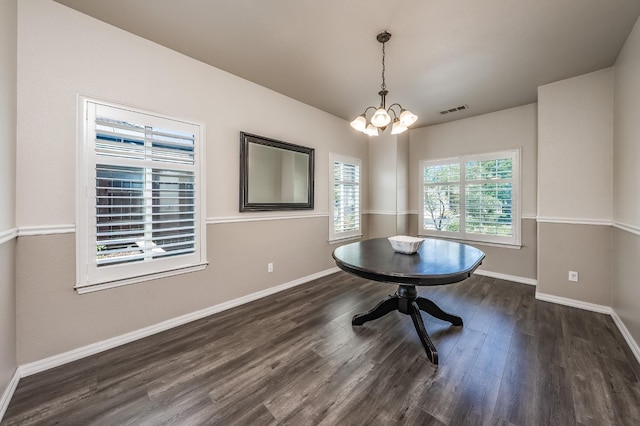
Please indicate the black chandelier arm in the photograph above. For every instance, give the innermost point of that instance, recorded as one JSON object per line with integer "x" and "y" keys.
{"x": 395, "y": 104}
{"x": 367, "y": 109}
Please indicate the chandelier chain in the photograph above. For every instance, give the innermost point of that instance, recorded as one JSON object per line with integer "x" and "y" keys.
{"x": 384, "y": 84}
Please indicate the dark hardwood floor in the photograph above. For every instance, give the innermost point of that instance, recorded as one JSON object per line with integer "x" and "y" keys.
{"x": 294, "y": 358}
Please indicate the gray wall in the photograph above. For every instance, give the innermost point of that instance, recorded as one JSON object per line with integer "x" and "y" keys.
{"x": 8, "y": 78}
{"x": 626, "y": 179}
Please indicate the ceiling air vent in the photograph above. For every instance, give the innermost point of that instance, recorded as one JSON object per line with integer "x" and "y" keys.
{"x": 456, "y": 109}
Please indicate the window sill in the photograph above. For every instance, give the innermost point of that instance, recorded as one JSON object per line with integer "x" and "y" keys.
{"x": 345, "y": 239}
{"x": 90, "y": 288}
{"x": 516, "y": 246}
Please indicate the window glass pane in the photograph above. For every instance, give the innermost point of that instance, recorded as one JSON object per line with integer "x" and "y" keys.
{"x": 170, "y": 146}
{"x": 442, "y": 208}
{"x": 120, "y": 214}
{"x": 442, "y": 173}
{"x": 346, "y": 197}
{"x": 173, "y": 214}
{"x": 143, "y": 214}
{"x": 346, "y": 208}
{"x": 489, "y": 209}
{"x": 500, "y": 168}
{"x": 118, "y": 138}
{"x": 344, "y": 172}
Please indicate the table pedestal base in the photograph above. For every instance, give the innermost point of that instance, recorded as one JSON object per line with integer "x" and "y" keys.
{"x": 407, "y": 301}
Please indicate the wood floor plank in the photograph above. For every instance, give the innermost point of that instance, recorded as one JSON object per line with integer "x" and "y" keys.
{"x": 294, "y": 358}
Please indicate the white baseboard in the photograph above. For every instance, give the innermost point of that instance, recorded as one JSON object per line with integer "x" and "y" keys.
{"x": 626, "y": 334}
{"x": 574, "y": 303}
{"x": 94, "y": 348}
{"x": 633, "y": 345}
{"x": 514, "y": 278}
{"x": 8, "y": 393}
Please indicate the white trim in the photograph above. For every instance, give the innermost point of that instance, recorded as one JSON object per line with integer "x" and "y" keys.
{"x": 626, "y": 227}
{"x": 24, "y": 231}
{"x": 574, "y": 303}
{"x": 8, "y": 392}
{"x": 90, "y": 288}
{"x": 388, "y": 212}
{"x": 8, "y": 235}
{"x": 382, "y": 212}
{"x": 574, "y": 221}
{"x": 88, "y": 272}
{"x": 514, "y": 278}
{"x": 479, "y": 243}
{"x": 28, "y": 231}
{"x": 94, "y": 348}
{"x": 237, "y": 219}
{"x": 528, "y": 216}
{"x": 626, "y": 334}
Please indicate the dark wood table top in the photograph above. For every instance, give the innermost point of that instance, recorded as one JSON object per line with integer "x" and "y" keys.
{"x": 437, "y": 262}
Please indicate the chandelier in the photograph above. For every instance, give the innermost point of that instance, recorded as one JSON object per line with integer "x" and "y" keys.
{"x": 381, "y": 118}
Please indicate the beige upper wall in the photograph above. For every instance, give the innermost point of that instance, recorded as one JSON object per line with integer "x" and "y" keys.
{"x": 402, "y": 173}
{"x": 389, "y": 190}
{"x": 626, "y": 172}
{"x": 575, "y": 148}
{"x": 105, "y": 62}
{"x": 508, "y": 129}
{"x": 383, "y": 157}
{"x": 8, "y": 64}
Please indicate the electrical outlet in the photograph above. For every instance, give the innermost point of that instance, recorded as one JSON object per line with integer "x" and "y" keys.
{"x": 270, "y": 267}
{"x": 573, "y": 276}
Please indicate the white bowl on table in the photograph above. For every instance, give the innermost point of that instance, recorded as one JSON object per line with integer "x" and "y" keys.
{"x": 405, "y": 244}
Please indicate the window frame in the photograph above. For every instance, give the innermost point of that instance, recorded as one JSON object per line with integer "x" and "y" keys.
{"x": 356, "y": 233}
{"x": 462, "y": 235}
{"x": 90, "y": 277}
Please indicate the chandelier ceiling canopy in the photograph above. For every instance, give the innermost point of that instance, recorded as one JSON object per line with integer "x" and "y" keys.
{"x": 381, "y": 118}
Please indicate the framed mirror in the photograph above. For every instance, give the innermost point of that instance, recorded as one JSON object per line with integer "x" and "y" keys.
{"x": 274, "y": 175}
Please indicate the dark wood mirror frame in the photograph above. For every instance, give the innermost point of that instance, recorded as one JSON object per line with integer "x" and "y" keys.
{"x": 250, "y": 200}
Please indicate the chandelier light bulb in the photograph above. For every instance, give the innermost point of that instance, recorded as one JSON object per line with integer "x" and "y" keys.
{"x": 381, "y": 118}
{"x": 397, "y": 127}
{"x": 359, "y": 123}
{"x": 371, "y": 130}
{"x": 407, "y": 118}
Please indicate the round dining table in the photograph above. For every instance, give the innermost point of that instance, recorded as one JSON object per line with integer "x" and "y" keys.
{"x": 437, "y": 262}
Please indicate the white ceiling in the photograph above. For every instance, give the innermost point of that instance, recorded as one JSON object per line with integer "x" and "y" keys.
{"x": 488, "y": 54}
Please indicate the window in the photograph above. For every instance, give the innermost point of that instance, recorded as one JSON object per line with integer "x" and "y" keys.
{"x": 344, "y": 215}
{"x": 140, "y": 208}
{"x": 472, "y": 198}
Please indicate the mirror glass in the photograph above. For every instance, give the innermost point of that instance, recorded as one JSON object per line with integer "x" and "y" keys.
{"x": 274, "y": 175}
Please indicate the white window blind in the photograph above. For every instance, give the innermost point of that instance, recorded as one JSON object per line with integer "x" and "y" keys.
{"x": 345, "y": 201}
{"x": 472, "y": 198}
{"x": 143, "y": 204}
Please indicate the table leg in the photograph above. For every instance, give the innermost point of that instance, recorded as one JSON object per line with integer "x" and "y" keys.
{"x": 389, "y": 304}
{"x": 432, "y": 352}
{"x": 407, "y": 301}
{"x": 434, "y": 310}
